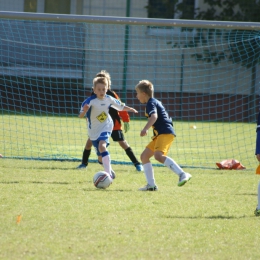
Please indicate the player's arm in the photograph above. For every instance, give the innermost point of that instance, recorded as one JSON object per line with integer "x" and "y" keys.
{"x": 83, "y": 111}
{"x": 129, "y": 109}
{"x": 151, "y": 120}
{"x": 118, "y": 105}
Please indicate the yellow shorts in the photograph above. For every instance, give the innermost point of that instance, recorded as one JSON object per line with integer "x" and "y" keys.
{"x": 161, "y": 143}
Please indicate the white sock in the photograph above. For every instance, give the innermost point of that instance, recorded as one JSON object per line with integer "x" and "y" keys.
{"x": 173, "y": 166}
{"x": 258, "y": 196}
{"x": 110, "y": 165}
{"x": 106, "y": 162}
{"x": 149, "y": 174}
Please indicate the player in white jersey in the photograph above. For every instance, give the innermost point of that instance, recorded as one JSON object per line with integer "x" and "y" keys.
{"x": 98, "y": 116}
{"x": 100, "y": 123}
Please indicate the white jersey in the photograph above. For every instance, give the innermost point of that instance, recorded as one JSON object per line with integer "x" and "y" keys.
{"x": 99, "y": 120}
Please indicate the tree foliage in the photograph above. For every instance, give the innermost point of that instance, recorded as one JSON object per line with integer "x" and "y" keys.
{"x": 241, "y": 46}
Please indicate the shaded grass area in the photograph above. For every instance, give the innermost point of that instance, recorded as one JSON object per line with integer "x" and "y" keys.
{"x": 63, "y": 216}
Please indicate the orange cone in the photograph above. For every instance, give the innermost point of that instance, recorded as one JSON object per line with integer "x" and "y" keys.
{"x": 18, "y": 219}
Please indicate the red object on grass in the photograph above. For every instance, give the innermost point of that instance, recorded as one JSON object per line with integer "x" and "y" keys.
{"x": 230, "y": 164}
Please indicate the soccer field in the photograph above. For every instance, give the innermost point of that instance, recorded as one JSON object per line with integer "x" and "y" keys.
{"x": 206, "y": 75}
{"x": 63, "y": 216}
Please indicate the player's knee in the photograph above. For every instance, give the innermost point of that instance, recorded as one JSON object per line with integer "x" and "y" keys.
{"x": 143, "y": 157}
{"x": 158, "y": 156}
{"x": 123, "y": 144}
{"x": 88, "y": 144}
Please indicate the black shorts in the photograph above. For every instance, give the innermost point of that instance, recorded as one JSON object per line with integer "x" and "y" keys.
{"x": 117, "y": 135}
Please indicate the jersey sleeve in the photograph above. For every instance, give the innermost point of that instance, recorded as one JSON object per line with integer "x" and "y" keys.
{"x": 82, "y": 105}
{"x": 86, "y": 101}
{"x": 257, "y": 149}
{"x": 151, "y": 109}
{"x": 125, "y": 116}
{"x": 116, "y": 104}
{"x": 258, "y": 123}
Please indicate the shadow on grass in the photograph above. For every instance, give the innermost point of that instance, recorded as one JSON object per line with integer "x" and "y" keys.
{"x": 43, "y": 168}
{"x": 246, "y": 194}
{"x": 9, "y": 182}
{"x": 35, "y": 182}
{"x": 53, "y": 182}
{"x": 207, "y": 217}
{"x": 107, "y": 190}
{"x": 66, "y": 183}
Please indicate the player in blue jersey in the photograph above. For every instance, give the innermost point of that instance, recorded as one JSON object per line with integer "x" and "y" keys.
{"x": 257, "y": 153}
{"x": 100, "y": 123}
{"x": 163, "y": 136}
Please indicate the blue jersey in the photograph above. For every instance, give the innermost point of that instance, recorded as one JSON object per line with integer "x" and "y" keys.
{"x": 163, "y": 124}
{"x": 257, "y": 150}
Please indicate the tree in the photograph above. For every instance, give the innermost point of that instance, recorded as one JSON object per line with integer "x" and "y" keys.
{"x": 243, "y": 47}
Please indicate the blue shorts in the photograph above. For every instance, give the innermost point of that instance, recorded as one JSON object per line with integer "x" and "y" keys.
{"x": 103, "y": 136}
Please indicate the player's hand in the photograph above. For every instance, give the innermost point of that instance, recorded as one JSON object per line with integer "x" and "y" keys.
{"x": 133, "y": 110}
{"x": 126, "y": 126}
{"x": 143, "y": 132}
{"x": 258, "y": 157}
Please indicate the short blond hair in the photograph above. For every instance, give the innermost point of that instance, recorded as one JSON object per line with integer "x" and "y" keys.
{"x": 102, "y": 80}
{"x": 145, "y": 86}
{"x": 105, "y": 74}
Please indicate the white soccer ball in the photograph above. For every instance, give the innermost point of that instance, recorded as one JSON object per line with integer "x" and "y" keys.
{"x": 102, "y": 180}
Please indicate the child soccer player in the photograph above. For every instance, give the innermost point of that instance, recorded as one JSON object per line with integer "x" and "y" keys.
{"x": 257, "y": 153}
{"x": 100, "y": 123}
{"x": 117, "y": 133}
{"x": 163, "y": 136}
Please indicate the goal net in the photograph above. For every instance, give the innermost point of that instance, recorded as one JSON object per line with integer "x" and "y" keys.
{"x": 205, "y": 74}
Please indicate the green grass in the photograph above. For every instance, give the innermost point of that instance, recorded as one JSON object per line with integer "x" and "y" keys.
{"x": 65, "y": 217}
{"x": 56, "y": 137}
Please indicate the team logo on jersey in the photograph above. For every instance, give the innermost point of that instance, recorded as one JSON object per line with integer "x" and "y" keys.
{"x": 102, "y": 117}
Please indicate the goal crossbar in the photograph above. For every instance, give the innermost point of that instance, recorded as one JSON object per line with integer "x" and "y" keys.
{"x": 130, "y": 20}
